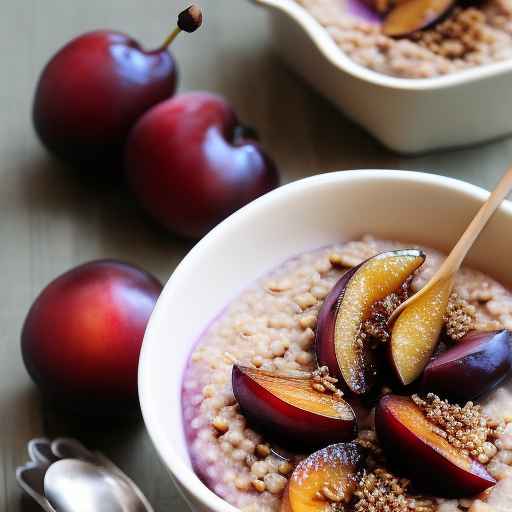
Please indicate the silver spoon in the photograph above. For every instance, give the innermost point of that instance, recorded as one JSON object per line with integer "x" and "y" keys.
{"x": 44, "y": 454}
{"x": 72, "y": 485}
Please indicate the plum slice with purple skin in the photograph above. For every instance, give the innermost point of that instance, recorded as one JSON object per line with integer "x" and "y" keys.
{"x": 413, "y": 445}
{"x": 338, "y": 343}
{"x": 289, "y": 411}
{"x": 470, "y": 369}
{"x": 333, "y": 470}
{"x": 413, "y": 15}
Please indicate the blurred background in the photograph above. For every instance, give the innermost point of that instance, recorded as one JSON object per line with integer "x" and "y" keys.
{"x": 51, "y": 219}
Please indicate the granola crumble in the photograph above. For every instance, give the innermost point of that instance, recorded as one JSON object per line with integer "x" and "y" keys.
{"x": 381, "y": 491}
{"x": 465, "y": 428}
{"x": 459, "y": 318}
{"x": 376, "y": 326}
{"x": 463, "y": 33}
{"x": 322, "y": 382}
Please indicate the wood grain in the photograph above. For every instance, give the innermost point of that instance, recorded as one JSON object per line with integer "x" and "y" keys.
{"x": 50, "y": 220}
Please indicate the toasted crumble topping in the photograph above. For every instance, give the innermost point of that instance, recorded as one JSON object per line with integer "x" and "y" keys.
{"x": 376, "y": 326}
{"x": 323, "y": 382}
{"x": 465, "y": 428}
{"x": 463, "y": 33}
{"x": 460, "y": 317}
{"x": 381, "y": 491}
{"x": 367, "y": 439}
{"x": 337, "y": 501}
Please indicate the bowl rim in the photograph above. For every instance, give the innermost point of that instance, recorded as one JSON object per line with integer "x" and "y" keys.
{"x": 335, "y": 55}
{"x": 181, "y": 471}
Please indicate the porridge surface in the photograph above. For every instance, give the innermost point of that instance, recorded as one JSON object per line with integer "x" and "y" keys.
{"x": 271, "y": 326}
{"x": 468, "y": 37}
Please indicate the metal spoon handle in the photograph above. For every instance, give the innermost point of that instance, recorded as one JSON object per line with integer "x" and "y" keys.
{"x": 108, "y": 464}
{"x": 44, "y": 454}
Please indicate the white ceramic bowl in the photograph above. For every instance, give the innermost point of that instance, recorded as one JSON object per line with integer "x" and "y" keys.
{"x": 406, "y": 115}
{"x": 316, "y": 211}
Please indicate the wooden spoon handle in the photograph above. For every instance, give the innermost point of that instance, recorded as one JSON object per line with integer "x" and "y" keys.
{"x": 454, "y": 260}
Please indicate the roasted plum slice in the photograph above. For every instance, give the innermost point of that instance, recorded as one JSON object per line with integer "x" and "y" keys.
{"x": 288, "y": 410}
{"x": 413, "y": 15}
{"x": 327, "y": 476}
{"x": 338, "y": 343}
{"x": 414, "y": 447}
{"x": 415, "y": 333}
{"x": 470, "y": 369}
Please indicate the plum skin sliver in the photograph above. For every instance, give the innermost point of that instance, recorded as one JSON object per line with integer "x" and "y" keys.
{"x": 470, "y": 369}
{"x": 325, "y": 348}
{"x": 414, "y": 458}
{"x": 285, "y": 423}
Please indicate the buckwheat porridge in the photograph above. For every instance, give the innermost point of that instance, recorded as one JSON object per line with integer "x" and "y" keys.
{"x": 257, "y": 404}
{"x": 464, "y": 35}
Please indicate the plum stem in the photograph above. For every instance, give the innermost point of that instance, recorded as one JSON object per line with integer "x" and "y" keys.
{"x": 189, "y": 21}
{"x": 171, "y": 37}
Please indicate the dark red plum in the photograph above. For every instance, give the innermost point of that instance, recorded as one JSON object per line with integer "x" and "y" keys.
{"x": 190, "y": 163}
{"x": 82, "y": 336}
{"x": 94, "y": 89}
{"x": 92, "y": 92}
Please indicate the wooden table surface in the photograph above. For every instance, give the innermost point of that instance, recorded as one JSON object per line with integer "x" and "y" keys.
{"x": 50, "y": 220}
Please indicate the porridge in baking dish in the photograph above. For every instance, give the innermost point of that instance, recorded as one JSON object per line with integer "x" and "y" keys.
{"x": 417, "y": 38}
{"x": 301, "y": 397}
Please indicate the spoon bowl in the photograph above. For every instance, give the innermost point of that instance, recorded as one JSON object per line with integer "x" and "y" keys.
{"x": 72, "y": 485}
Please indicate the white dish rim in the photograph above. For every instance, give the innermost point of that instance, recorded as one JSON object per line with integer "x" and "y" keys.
{"x": 179, "y": 469}
{"x": 326, "y": 45}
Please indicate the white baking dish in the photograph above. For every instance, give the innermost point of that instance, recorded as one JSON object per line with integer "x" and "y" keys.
{"x": 406, "y": 115}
